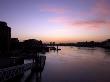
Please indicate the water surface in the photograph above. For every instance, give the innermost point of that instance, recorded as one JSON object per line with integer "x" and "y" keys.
{"x": 73, "y": 64}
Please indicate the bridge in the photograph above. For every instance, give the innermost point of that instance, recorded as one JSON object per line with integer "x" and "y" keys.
{"x": 11, "y": 72}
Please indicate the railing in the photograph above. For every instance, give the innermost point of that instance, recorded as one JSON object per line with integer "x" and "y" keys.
{"x": 11, "y": 72}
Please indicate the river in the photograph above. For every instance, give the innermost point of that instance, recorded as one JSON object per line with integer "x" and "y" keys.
{"x": 73, "y": 64}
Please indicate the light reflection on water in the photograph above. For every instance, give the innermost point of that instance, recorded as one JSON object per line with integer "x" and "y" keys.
{"x": 73, "y": 64}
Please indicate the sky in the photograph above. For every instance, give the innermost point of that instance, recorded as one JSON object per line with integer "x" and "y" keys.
{"x": 57, "y": 20}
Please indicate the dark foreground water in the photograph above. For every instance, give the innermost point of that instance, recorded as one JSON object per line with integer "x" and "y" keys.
{"x": 73, "y": 64}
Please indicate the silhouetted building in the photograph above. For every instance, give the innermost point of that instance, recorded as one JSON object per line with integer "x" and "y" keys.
{"x": 5, "y": 36}
{"x": 33, "y": 45}
{"x": 106, "y": 43}
{"x": 14, "y": 43}
{"x": 88, "y": 44}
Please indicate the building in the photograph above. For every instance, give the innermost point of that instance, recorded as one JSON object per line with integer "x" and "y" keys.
{"x": 106, "y": 43}
{"x": 5, "y": 36}
{"x": 32, "y": 45}
{"x": 14, "y": 44}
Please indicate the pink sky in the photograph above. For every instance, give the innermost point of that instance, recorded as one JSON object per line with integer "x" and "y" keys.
{"x": 60, "y": 21}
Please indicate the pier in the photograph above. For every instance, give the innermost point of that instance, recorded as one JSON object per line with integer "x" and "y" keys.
{"x": 12, "y": 72}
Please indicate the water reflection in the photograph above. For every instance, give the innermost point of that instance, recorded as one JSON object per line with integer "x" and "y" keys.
{"x": 73, "y": 64}
{"x": 107, "y": 51}
{"x": 33, "y": 75}
{"x": 36, "y": 73}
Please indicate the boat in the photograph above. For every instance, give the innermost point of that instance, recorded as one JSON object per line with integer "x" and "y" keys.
{"x": 52, "y": 48}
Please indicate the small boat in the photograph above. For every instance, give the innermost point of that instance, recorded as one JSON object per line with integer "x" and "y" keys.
{"x": 58, "y": 49}
{"x": 52, "y": 48}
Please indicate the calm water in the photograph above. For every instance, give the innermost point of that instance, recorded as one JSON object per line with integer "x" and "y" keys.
{"x": 73, "y": 64}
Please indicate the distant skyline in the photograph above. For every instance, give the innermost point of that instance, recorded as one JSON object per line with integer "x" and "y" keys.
{"x": 57, "y": 20}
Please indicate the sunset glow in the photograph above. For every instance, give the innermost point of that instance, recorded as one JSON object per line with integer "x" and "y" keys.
{"x": 57, "y": 20}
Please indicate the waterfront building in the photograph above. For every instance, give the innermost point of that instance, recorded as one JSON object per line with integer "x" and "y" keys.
{"x": 5, "y": 36}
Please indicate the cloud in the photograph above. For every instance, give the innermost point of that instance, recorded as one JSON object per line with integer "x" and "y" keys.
{"x": 98, "y": 15}
{"x": 52, "y": 9}
{"x": 101, "y": 8}
{"x": 92, "y": 23}
{"x": 58, "y": 20}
